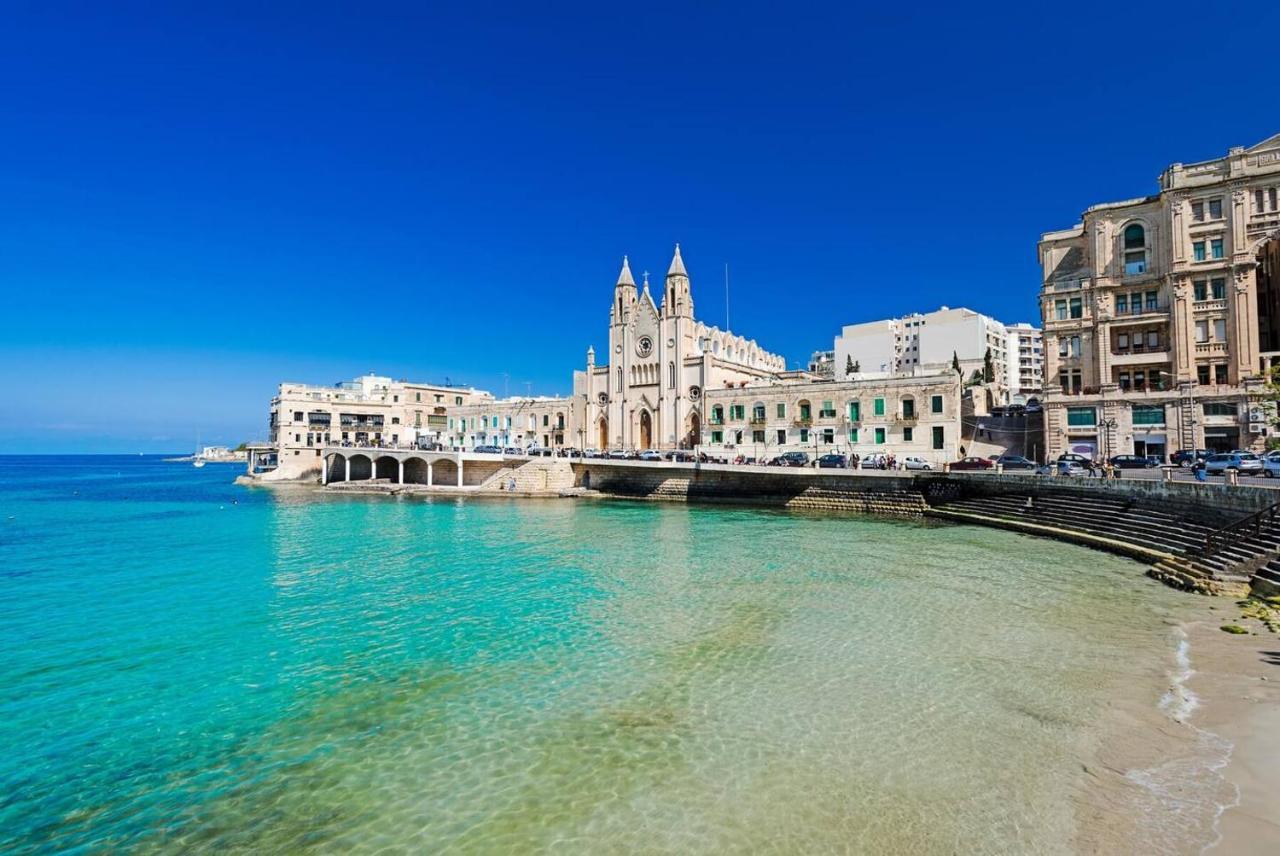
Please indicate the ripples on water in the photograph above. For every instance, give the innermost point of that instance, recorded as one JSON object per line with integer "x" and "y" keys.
{"x": 195, "y": 666}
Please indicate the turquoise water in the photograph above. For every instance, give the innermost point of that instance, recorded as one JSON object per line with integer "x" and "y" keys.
{"x": 194, "y": 666}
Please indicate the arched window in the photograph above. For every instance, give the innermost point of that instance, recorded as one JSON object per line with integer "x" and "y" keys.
{"x": 619, "y": 377}
{"x": 671, "y": 375}
{"x": 1135, "y": 249}
{"x": 757, "y": 412}
{"x": 717, "y": 415}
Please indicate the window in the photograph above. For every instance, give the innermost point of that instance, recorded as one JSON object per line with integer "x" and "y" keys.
{"x": 1271, "y": 194}
{"x": 1220, "y": 329}
{"x": 782, "y": 411}
{"x": 1215, "y": 209}
{"x": 1219, "y": 289}
{"x": 757, "y": 436}
{"x": 1197, "y": 251}
{"x": 1124, "y": 381}
{"x": 1153, "y": 340}
{"x": 1220, "y": 374}
{"x": 737, "y": 412}
{"x": 908, "y": 408}
{"x": 1122, "y": 304}
{"x": 1135, "y": 252}
{"x": 450, "y": 423}
{"x": 1257, "y": 201}
{"x": 878, "y": 407}
{"x": 906, "y": 434}
{"x": 1202, "y": 331}
{"x": 1202, "y": 375}
{"x": 1197, "y": 211}
{"x": 1201, "y": 289}
{"x": 1219, "y": 408}
{"x": 1153, "y": 301}
{"x": 804, "y": 411}
{"x": 855, "y": 411}
{"x": 937, "y": 436}
{"x": 828, "y": 435}
{"x": 717, "y": 415}
{"x": 1135, "y": 303}
{"x": 545, "y": 420}
{"x": 1060, "y": 310}
{"x": 781, "y": 436}
{"x": 1122, "y": 342}
{"x": 1077, "y": 307}
{"x": 804, "y": 435}
{"x": 828, "y": 410}
{"x": 717, "y": 436}
{"x": 757, "y": 413}
{"x": 1215, "y": 248}
{"x": 1148, "y": 414}
{"x": 1086, "y": 416}
{"x": 879, "y": 436}
{"x": 853, "y": 435}
{"x": 395, "y": 420}
{"x": 297, "y": 416}
{"x": 395, "y": 398}
{"x": 936, "y": 404}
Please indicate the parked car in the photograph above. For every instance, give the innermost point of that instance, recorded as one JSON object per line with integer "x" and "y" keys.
{"x": 651, "y": 455}
{"x": 572, "y": 453}
{"x": 538, "y": 452}
{"x": 1131, "y": 462}
{"x": 833, "y": 462}
{"x": 1074, "y": 458}
{"x": 1271, "y": 466}
{"x": 680, "y": 456}
{"x": 874, "y": 462}
{"x": 791, "y": 459}
{"x": 1034, "y": 406}
{"x": 487, "y": 450}
{"x": 1186, "y": 458}
{"x": 512, "y": 450}
{"x": 1241, "y": 463}
{"x": 1062, "y": 468}
{"x": 1015, "y": 462}
{"x": 911, "y": 462}
{"x": 617, "y": 454}
{"x": 972, "y": 463}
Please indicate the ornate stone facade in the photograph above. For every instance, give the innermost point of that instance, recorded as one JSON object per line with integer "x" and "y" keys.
{"x": 662, "y": 361}
{"x": 1153, "y": 308}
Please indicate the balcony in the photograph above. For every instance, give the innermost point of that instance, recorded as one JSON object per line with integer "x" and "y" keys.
{"x": 756, "y": 420}
{"x": 1208, "y": 349}
{"x": 802, "y": 421}
{"x": 906, "y": 418}
{"x": 1143, "y": 317}
{"x": 362, "y": 426}
{"x": 1209, "y": 306}
{"x": 1139, "y": 358}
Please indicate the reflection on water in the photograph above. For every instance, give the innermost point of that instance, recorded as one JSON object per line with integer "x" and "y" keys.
{"x": 273, "y": 671}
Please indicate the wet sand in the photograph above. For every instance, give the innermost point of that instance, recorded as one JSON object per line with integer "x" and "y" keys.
{"x": 1196, "y": 772}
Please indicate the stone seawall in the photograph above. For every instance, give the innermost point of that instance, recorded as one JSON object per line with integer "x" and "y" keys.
{"x": 825, "y": 490}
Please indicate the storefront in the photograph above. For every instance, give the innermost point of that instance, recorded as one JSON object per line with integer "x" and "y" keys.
{"x": 1150, "y": 445}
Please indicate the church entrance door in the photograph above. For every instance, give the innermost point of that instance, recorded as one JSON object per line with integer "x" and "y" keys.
{"x": 646, "y": 430}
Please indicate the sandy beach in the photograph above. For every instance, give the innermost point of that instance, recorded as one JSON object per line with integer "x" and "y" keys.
{"x": 1197, "y": 771}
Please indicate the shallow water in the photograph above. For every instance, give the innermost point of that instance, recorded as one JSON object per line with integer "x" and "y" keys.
{"x": 191, "y": 665}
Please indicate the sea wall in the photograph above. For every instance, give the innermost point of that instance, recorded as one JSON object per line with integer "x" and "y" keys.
{"x": 829, "y": 490}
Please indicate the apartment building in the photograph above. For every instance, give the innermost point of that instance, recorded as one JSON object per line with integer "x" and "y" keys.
{"x": 370, "y": 410}
{"x": 1161, "y": 314}
{"x": 513, "y": 422}
{"x": 1025, "y": 358}
{"x": 899, "y": 416}
{"x": 925, "y": 343}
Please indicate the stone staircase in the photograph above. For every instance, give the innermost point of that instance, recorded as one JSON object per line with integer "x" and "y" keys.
{"x": 537, "y": 475}
{"x": 1184, "y": 553}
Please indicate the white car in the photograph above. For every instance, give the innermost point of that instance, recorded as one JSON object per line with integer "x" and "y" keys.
{"x": 1242, "y": 463}
{"x": 911, "y": 462}
{"x": 651, "y": 455}
{"x": 1271, "y": 465}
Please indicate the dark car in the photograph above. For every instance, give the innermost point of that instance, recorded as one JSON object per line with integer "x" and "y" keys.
{"x": 487, "y": 450}
{"x": 791, "y": 459}
{"x": 1131, "y": 462}
{"x": 1188, "y": 457}
{"x": 972, "y": 463}
{"x": 1015, "y": 462}
{"x": 833, "y": 462}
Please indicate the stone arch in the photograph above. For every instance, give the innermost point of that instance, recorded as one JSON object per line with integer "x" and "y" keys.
{"x": 415, "y": 471}
{"x": 445, "y": 471}
{"x": 386, "y": 467}
{"x": 337, "y": 468}
{"x": 646, "y": 430}
{"x": 361, "y": 467}
{"x": 693, "y": 434}
{"x": 604, "y": 434}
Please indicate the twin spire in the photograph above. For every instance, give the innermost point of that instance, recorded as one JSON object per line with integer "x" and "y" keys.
{"x": 676, "y": 269}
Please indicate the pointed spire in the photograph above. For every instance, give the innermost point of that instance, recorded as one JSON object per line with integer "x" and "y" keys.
{"x": 677, "y": 264}
{"x": 625, "y": 278}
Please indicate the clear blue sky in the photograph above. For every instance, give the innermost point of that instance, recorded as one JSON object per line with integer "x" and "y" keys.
{"x": 216, "y": 198}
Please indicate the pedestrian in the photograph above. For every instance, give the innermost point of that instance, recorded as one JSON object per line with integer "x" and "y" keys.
{"x": 1200, "y": 469}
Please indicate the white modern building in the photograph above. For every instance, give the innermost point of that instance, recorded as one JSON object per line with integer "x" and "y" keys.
{"x": 1025, "y": 361}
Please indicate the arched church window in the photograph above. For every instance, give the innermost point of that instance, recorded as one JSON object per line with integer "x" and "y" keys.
{"x": 671, "y": 375}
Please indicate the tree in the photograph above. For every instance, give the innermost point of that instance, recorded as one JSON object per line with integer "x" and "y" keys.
{"x": 975, "y": 378}
{"x": 988, "y": 368}
{"x": 955, "y": 364}
{"x": 857, "y": 367}
{"x": 848, "y": 365}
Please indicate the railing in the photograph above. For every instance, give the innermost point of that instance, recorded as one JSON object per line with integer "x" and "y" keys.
{"x": 1247, "y": 526}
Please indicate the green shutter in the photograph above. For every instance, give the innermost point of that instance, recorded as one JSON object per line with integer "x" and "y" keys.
{"x": 879, "y": 407}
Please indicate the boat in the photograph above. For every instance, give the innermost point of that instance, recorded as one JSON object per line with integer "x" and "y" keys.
{"x": 196, "y": 460}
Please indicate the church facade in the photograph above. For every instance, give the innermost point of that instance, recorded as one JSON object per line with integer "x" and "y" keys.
{"x": 649, "y": 392}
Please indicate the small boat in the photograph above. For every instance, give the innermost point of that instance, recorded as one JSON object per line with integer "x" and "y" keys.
{"x": 198, "y": 462}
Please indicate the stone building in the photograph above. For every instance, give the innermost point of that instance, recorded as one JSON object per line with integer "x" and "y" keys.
{"x": 1160, "y": 313}
{"x": 662, "y": 361}
{"x": 911, "y": 415}
{"x": 513, "y": 422}
{"x": 368, "y": 411}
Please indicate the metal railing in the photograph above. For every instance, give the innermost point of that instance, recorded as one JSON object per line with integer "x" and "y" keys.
{"x": 1250, "y": 526}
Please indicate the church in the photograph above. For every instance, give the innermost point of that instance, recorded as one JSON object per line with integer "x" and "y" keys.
{"x": 661, "y": 362}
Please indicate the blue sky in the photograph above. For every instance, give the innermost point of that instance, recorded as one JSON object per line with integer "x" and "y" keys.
{"x": 220, "y": 197}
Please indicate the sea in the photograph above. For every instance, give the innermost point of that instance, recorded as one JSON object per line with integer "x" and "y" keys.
{"x": 190, "y": 665}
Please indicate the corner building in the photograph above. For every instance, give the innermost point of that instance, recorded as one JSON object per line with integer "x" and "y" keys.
{"x": 1162, "y": 314}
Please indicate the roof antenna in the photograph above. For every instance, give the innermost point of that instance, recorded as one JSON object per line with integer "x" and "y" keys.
{"x": 726, "y": 295}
